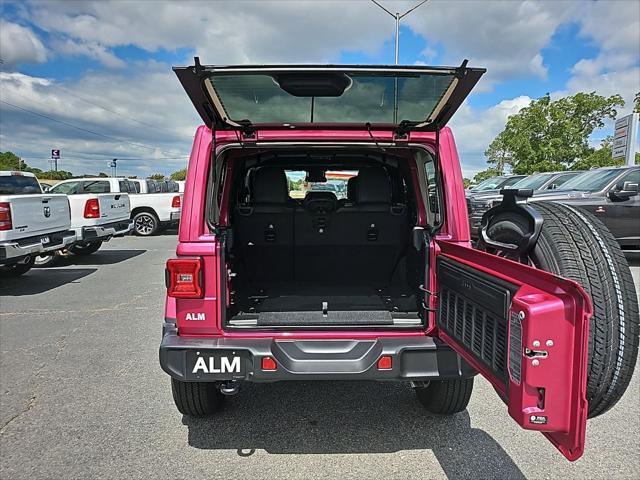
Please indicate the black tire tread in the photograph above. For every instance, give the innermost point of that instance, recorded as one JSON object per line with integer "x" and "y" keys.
{"x": 574, "y": 244}
{"x": 446, "y": 397}
{"x": 196, "y": 399}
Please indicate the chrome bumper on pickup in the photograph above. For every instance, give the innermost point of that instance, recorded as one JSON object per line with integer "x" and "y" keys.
{"x": 175, "y": 216}
{"x": 14, "y": 250}
{"x": 105, "y": 232}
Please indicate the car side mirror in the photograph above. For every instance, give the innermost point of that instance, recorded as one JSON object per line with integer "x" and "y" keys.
{"x": 629, "y": 189}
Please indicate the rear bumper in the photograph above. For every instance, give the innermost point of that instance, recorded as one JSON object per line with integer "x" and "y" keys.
{"x": 413, "y": 358}
{"x": 175, "y": 216}
{"x": 16, "y": 249}
{"x": 106, "y": 231}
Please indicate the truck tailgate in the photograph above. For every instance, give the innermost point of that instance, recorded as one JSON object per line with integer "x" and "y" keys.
{"x": 114, "y": 206}
{"x": 37, "y": 214}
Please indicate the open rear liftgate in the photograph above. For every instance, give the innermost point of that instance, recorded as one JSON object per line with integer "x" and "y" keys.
{"x": 524, "y": 330}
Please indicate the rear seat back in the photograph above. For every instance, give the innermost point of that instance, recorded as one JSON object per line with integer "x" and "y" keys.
{"x": 357, "y": 242}
{"x": 264, "y": 227}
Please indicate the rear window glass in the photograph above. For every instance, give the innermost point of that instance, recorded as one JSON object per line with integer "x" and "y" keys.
{"x": 97, "y": 186}
{"x": 360, "y": 97}
{"x": 127, "y": 186}
{"x": 18, "y": 185}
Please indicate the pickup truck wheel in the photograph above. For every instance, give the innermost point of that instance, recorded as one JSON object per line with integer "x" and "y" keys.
{"x": 17, "y": 269}
{"x": 446, "y": 397}
{"x": 196, "y": 399}
{"x": 574, "y": 244}
{"x": 145, "y": 224}
{"x": 46, "y": 259}
{"x": 85, "y": 248}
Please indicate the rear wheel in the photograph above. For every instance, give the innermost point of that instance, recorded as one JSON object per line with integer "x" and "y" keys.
{"x": 196, "y": 399}
{"x": 145, "y": 224}
{"x": 446, "y": 397}
{"x": 17, "y": 269}
{"x": 85, "y": 248}
{"x": 574, "y": 244}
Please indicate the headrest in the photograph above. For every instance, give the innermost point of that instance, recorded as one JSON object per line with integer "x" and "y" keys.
{"x": 270, "y": 185}
{"x": 352, "y": 189}
{"x": 373, "y": 186}
{"x": 320, "y": 202}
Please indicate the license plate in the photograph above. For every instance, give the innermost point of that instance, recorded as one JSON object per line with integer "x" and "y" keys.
{"x": 44, "y": 240}
{"x": 215, "y": 365}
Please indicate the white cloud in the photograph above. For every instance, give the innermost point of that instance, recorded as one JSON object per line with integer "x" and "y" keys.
{"x": 19, "y": 44}
{"x": 505, "y": 37}
{"x": 221, "y": 32}
{"x": 475, "y": 129}
{"x": 153, "y": 120}
{"x": 92, "y": 50}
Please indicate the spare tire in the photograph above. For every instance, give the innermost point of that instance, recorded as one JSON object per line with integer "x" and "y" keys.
{"x": 574, "y": 244}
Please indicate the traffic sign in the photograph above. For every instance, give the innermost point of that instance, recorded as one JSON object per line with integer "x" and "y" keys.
{"x": 55, "y": 154}
{"x": 624, "y": 138}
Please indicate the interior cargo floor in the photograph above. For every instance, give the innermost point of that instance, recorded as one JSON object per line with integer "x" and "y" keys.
{"x": 316, "y": 297}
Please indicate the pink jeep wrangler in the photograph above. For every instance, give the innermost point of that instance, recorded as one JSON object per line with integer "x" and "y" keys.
{"x": 325, "y": 236}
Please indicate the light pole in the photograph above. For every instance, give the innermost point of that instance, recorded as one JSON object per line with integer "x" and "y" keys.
{"x": 399, "y": 16}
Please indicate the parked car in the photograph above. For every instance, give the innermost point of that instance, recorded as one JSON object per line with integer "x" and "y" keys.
{"x": 494, "y": 184}
{"x": 268, "y": 288}
{"x": 611, "y": 194}
{"x": 31, "y": 223}
{"x": 149, "y": 212}
{"x": 538, "y": 182}
{"x": 96, "y": 216}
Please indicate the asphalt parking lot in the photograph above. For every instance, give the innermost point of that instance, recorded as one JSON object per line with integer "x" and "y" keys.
{"x": 83, "y": 396}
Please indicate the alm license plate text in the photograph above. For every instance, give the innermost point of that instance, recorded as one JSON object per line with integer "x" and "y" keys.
{"x": 215, "y": 365}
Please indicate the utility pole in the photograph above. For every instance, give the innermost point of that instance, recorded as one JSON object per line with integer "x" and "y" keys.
{"x": 398, "y": 16}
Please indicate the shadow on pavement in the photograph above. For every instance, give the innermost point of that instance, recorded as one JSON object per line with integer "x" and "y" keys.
{"x": 347, "y": 418}
{"x": 101, "y": 257}
{"x": 41, "y": 280}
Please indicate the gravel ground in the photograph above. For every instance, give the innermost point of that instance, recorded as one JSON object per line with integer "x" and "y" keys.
{"x": 83, "y": 396}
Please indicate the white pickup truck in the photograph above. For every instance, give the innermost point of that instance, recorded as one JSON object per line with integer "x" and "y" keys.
{"x": 149, "y": 211}
{"x": 97, "y": 215}
{"x": 31, "y": 223}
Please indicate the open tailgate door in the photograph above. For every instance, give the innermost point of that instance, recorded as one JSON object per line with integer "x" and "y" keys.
{"x": 524, "y": 330}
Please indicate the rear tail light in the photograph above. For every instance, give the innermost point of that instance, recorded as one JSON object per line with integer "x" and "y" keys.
{"x": 175, "y": 203}
{"x": 5, "y": 216}
{"x": 92, "y": 208}
{"x": 184, "y": 278}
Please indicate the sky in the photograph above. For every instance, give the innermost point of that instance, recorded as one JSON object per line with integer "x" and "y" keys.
{"x": 94, "y": 78}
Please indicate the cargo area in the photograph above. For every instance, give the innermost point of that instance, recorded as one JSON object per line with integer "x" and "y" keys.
{"x": 323, "y": 240}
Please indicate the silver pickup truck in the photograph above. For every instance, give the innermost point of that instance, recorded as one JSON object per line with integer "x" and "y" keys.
{"x": 31, "y": 223}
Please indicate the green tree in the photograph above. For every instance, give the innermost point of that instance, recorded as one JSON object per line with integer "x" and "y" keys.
{"x": 636, "y": 103}
{"x": 10, "y": 161}
{"x": 600, "y": 157}
{"x": 156, "y": 176}
{"x": 179, "y": 175}
{"x": 551, "y": 135}
{"x": 466, "y": 182}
